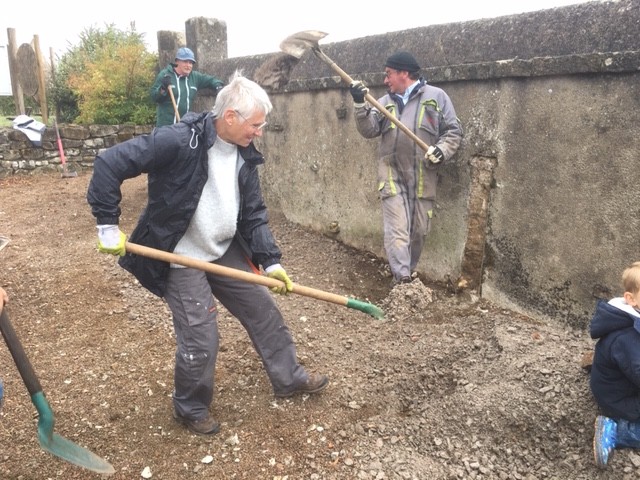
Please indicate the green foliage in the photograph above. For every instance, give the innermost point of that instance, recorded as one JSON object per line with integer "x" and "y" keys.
{"x": 105, "y": 79}
{"x": 7, "y": 105}
{"x": 8, "y": 109}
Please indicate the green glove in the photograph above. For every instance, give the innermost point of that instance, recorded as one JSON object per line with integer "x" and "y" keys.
{"x": 111, "y": 240}
{"x": 277, "y": 272}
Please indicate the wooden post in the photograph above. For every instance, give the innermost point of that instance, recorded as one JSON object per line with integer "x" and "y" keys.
{"x": 42, "y": 87}
{"x": 18, "y": 98}
{"x": 53, "y": 77}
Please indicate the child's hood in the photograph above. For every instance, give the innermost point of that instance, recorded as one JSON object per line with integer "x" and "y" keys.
{"x": 612, "y": 316}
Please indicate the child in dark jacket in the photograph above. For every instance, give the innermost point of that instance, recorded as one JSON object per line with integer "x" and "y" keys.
{"x": 615, "y": 372}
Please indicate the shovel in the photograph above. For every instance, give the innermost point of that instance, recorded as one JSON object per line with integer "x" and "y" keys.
{"x": 49, "y": 440}
{"x": 252, "y": 278}
{"x": 296, "y": 44}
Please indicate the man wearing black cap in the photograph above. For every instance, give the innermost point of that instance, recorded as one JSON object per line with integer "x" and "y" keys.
{"x": 407, "y": 176}
{"x": 184, "y": 82}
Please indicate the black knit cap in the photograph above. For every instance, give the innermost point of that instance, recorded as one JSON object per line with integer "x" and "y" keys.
{"x": 402, "y": 61}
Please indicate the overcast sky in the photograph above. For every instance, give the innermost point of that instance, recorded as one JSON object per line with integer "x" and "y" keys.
{"x": 253, "y": 27}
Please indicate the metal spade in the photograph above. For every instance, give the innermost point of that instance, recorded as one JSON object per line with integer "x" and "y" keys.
{"x": 49, "y": 440}
{"x": 298, "y": 43}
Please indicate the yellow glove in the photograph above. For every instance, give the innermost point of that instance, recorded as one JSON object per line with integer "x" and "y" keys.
{"x": 111, "y": 240}
{"x": 277, "y": 272}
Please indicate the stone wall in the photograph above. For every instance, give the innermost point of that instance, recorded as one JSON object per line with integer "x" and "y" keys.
{"x": 19, "y": 156}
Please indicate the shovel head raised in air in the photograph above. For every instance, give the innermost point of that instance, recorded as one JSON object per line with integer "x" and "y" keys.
{"x": 298, "y": 43}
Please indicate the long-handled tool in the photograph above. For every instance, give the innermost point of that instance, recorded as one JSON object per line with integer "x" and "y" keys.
{"x": 168, "y": 257}
{"x": 63, "y": 159}
{"x": 173, "y": 102}
{"x": 49, "y": 440}
{"x": 298, "y": 43}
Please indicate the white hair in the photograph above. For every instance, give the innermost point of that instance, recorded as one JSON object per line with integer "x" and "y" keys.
{"x": 242, "y": 95}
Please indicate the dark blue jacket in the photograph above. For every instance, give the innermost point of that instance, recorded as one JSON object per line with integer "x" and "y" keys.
{"x": 175, "y": 159}
{"x": 615, "y": 372}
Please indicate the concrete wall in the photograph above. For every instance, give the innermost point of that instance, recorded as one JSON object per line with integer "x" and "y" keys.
{"x": 538, "y": 210}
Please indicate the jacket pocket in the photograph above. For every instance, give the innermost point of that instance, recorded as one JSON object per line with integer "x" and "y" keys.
{"x": 387, "y": 124}
{"x": 387, "y": 176}
{"x": 429, "y": 118}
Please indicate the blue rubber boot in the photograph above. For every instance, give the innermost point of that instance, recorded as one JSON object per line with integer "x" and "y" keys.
{"x": 604, "y": 440}
{"x": 1, "y": 393}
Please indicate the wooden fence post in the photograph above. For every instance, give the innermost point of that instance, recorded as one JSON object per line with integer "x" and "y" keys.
{"x": 18, "y": 98}
{"x": 42, "y": 86}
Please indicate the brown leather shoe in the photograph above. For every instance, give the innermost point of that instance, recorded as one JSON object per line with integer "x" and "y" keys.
{"x": 315, "y": 384}
{"x": 204, "y": 426}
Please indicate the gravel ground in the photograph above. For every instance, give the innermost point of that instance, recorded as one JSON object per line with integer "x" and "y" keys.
{"x": 446, "y": 386}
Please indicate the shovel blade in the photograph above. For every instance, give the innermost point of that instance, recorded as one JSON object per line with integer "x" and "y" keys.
{"x": 298, "y": 43}
{"x": 74, "y": 453}
{"x": 60, "y": 446}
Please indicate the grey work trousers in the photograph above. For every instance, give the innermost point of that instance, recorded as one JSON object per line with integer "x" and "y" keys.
{"x": 406, "y": 224}
{"x": 191, "y": 295}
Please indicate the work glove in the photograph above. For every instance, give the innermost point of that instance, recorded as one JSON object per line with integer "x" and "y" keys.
{"x": 111, "y": 240}
{"x": 166, "y": 82}
{"x": 358, "y": 91}
{"x": 434, "y": 154}
{"x": 276, "y": 271}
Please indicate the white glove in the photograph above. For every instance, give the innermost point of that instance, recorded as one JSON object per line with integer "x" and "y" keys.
{"x": 434, "y": 154}
{"x": 111, "y": 240}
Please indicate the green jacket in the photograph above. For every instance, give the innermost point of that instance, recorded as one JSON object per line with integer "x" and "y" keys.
{"x": 184, "y": 92}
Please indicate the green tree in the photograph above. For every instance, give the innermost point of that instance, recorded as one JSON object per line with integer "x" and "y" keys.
{"x": 105, "y": 79}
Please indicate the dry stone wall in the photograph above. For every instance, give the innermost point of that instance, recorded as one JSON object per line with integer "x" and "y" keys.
{"x": 81, "y": 143}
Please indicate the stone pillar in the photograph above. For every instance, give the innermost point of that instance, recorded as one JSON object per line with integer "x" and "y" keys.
{"x": 168, "y": 44}
{"x": 207, "y": 37}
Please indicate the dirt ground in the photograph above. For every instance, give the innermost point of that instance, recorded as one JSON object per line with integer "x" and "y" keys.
{"x": 446, "y": 386}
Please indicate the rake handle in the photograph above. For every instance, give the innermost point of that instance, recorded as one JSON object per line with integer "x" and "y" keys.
{"x": 19, "y": 356}
{"x": 348, "y": 80}
{"x": 63, "y": 159}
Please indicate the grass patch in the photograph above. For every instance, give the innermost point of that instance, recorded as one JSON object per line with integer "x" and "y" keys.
{"x": 7, "y": 121}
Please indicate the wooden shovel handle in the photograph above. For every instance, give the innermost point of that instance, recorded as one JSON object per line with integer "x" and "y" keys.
{"x": 348, "y": 80}
{"x": 173, "y": 102}
{"x": 231, "y": 272}
{"x": 19, "y": 356}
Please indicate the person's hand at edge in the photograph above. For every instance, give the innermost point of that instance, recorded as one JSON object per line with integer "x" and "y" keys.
{"x": 4, "y": 298}
{"x": 277, "y": 272}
